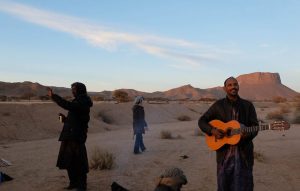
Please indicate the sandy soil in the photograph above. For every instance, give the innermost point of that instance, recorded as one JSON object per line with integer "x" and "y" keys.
{"x": 31, "y": 145}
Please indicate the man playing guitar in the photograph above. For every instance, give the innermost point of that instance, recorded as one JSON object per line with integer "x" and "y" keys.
{"x": 234, "y": 162}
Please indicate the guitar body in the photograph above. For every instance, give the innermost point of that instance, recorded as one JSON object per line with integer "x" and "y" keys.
{"x": 214, "y": 143}
{"x": 232, "y": 131}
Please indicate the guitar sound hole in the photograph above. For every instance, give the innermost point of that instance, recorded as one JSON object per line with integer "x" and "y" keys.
{"x": 229, "y": 132}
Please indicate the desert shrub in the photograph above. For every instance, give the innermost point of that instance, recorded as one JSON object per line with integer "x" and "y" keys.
{"x": 184, "y": 118}
{"x": 279, "y": 99}
{"x": 101, "y": 159}
{"x": 164, "y": 134}
{"x": 198, "y": 132}
{"x": 3, "y": 98}
{"x": 6, "y": 114}
{"x": 105, "y": 118}
{"x": 120, "y": 96}
{"x": 276, "y": 115}
{"x": 259, "y": 156}
{"x": 97, "y": 98}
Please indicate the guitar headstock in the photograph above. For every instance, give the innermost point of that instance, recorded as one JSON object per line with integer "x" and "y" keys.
{"x": 280, "y": 125}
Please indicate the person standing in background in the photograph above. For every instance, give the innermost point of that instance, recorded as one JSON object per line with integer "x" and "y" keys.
{"x": 72, "y": 154}
{"x": 139, "y": 124}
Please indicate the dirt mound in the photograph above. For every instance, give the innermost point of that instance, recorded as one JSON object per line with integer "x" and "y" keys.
{"x": 31, "y": 121}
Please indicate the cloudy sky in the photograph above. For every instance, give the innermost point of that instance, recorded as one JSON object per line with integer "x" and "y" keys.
{"x": 150, "y": 45}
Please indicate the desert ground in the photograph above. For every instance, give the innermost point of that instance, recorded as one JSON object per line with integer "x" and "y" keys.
{"x": 29, "y": 133}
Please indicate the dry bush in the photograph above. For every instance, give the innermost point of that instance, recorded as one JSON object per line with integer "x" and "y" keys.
{"x": 198, "y": 132}
{"x": 101, "y": 159}
{"x": 279, "y": 99}
{"x": 184, "y": 118}
{"x": 105, "y": 118}
{"x": 97, "y": 98}
{"x": 6, "y": 114}
{"x": 165, "y": 134}
{"x": 3, "y": 98}
{"x": 259, "y": 156}
{"x": 121, "y": 96}
{"x": 276, "y": 115}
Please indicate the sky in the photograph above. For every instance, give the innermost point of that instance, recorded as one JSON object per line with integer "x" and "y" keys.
{"x": 148, "y": 45}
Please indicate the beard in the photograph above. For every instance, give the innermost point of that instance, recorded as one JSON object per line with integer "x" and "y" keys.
{"x": 233, "y": 92}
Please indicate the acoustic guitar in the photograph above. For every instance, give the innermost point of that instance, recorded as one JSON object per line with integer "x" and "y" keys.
{"x": 232, "y": 132}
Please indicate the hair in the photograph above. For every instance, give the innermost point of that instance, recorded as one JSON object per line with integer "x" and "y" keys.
{"x": 138, "y": 100}
{"x": 80, "y": 88}
{"x": 231, "y": 77}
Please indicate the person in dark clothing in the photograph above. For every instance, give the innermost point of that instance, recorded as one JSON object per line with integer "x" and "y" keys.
{"x": 234, "y": 162}
{"x": 139, "y": 124}
{"x": 72, "y": 154}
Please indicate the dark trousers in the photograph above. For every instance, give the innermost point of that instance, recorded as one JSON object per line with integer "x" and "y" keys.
{"x": 77, "y": 178}
{"x": 139, "y": 144}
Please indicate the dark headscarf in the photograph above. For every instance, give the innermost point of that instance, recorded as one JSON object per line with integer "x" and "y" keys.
{"x": 80, "y": 88}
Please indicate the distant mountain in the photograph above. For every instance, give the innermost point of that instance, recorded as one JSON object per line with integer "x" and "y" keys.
{"x": 18, "y": 89}
{"x": 192, "y": 93}
{"x": 254, "y": 86}
{"x": 262, "y": 86}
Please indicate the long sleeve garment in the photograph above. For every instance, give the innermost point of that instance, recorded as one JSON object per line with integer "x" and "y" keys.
{"x": 139, "y": 122}
{"x": 245, "y": 114}
{"x": 76, "y": 123}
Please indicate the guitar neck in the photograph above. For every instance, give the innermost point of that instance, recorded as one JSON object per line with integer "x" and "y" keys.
{"x": 256, "y": 128}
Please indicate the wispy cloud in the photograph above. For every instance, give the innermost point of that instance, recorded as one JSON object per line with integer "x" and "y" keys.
{"x": 178, "y": 50}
